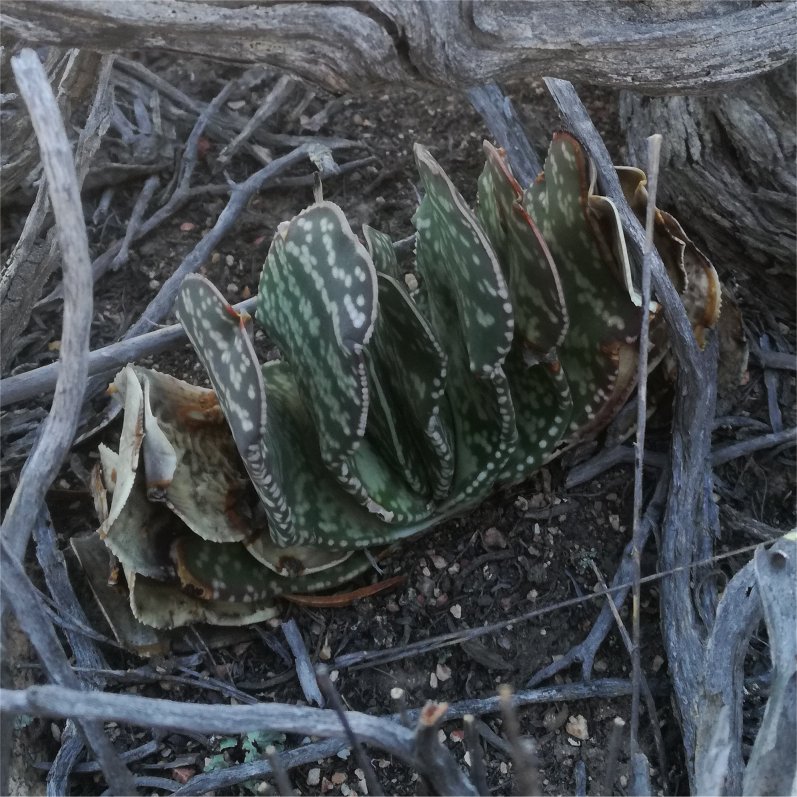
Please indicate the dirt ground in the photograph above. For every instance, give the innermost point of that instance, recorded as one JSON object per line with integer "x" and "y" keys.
{"x": 529, "y": 548}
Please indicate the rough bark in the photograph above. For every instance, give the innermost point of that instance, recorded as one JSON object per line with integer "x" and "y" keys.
{"x": 655, "y": 46}
{"x": 728, "y": 168}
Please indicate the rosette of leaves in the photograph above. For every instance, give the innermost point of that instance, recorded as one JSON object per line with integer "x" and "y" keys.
{"x": 385, "y": 412}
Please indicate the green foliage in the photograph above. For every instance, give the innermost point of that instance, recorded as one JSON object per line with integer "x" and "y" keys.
{"x": 386, "y": 412}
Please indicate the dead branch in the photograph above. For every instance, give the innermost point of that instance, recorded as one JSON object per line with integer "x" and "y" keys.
{"x": 37, "y": 252}
{"x": 304, "y": 667}
{"x": 601, "y": 689}
{"x": 62, "y": 185}
{"x": 19, "y": 593}
{"x": 58, "y": 701}
{"x": 41, "y": 381}
{"x": 723, "y": 454}
{"x": 771, "y": 768}
{"x": 331, "y": 694}
{"x": 585, "y": 652}
{"x": 452, "y": 44}
{"x": 686, "y": 521}
{"x": 637, "y": 534}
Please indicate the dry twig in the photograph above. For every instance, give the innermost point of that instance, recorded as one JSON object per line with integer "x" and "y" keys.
{"x": 59, "y": 428}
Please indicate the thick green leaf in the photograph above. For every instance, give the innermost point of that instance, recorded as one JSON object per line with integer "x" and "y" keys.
{"x": 543, "y": 404}
{"x": 535, "y": 290}
{"x": 472, "y": 317}
{"x": 407, "y": 369}
{"x": 317, "y": 302}
{"x": 295, "y": 560}
{"x": 229, "y": 573}
{"x": 597, "y": 355}
{"x": 324, "y": 514}
{"x": 380, "y": 247}
{"x": 219, "y": 337}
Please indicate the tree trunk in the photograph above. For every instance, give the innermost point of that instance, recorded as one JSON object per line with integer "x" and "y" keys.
{"x": 728, "y": 171}
{"x": 656, "y": 46}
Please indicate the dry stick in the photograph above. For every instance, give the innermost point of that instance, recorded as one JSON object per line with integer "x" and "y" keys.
{"x": 331, "y": 694}
{"x": 53, "y": 565}
{"x": 608, "y": 458}
{"x": 732, "y": 451}
{"x": 274, "y": 99}
{"x": 129, "y": 756}
{"x": 782, "y": 361}
{"x": 59, "y": 428}
{"x": 527, "y": 780}
{"x": 41, "y": 381}
{"x": 86, "y": 654}
{"x": 771, "y": 380}
{"x": 240, "y": 195}
{"x": 476, "y": 753}
{"x": 426, "y": 741}
{"x": 179, "y": 197}
{"x": 133, "y": 226}
{"x": 580, "y": 770}
{"x": 602, "y": 689}
{"x": 654, "y": 151}
{"x": 613, "y": 754}
{"x": 641, "y": 683}
{"x": 502, "y": 121}
{"x": 684, "y": 526}
{"x": 57, "y": 701}
{"x": 304, "y": 667}
{"x": 20, "y": 594}
{"x": 280, "y": 773}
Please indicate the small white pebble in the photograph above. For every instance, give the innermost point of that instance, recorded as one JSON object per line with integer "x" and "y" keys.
{"x": 614, "y": 522}
{"x": 232, "y": 288}
{"x": 396, "y": 693}
{"x": 325, "y": 654}
{"x": 456, "y": 611}
{"x": 466, "y": 758}
{"x": 443, "y": 673}
{"x": 432, "y": 680}
{"x": 441, "y": 736}
{"x": 334, "y": 675}
{"x": 577, "y": 726}
{"x": 314, "y": 777}
{"x": 229, "y": 260}
{"x": 438, "y": 561}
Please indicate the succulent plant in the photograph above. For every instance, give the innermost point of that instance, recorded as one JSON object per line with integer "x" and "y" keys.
{"x": 387, "y": 411}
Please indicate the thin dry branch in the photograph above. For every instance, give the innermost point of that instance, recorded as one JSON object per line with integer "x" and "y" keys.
{"x": 57, "y": 701}
{"x": 654, "y": 150}
{"x": 584, "y": 653}
{"x": 19, "y": 593}
{"x": 600, "y": 689}
{"x": 457, "y": 44}
{"x": 62, "y": 185}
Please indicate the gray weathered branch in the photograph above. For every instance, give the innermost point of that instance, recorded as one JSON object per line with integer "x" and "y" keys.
{"x": 655, "y": 46}
{"x": 57, "y": 701}
{"x": 62, "y": 186}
